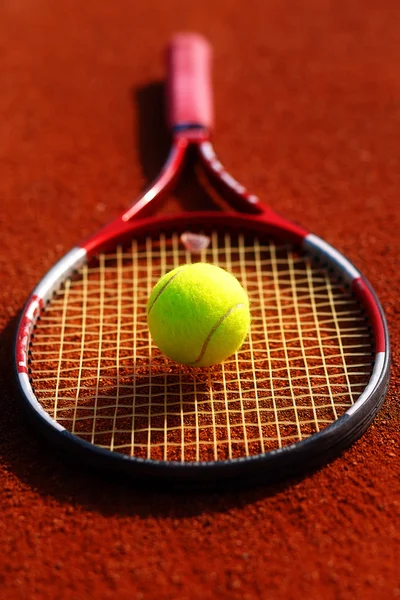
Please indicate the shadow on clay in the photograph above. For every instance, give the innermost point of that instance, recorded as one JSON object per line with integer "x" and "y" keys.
{"x": 52, "y": 472}
{"x": 48, "y": 469}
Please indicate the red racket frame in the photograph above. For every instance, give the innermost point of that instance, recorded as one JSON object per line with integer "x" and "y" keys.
{"x": 190, "y": 118}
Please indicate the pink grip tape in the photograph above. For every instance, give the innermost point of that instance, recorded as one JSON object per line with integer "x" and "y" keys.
{"x": 189, "y": 81}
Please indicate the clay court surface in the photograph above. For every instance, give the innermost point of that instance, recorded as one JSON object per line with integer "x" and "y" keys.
{"x": 308, "y": 117}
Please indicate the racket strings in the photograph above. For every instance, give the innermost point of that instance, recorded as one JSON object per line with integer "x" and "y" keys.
{"x": 305, "y": 362}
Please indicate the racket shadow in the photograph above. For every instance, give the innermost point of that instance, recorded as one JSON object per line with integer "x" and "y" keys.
{"x": 53, "y": 473}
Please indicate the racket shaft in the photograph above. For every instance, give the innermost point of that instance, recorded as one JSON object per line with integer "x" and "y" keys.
{"x": 189, "y": 101}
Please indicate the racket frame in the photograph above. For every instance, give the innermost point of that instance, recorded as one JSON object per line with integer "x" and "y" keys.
{"x": 191, "y": 123}
{"x": 278, "y": 463}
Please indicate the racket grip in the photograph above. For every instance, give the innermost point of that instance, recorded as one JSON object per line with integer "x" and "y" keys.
{"x": 189, "y": 102}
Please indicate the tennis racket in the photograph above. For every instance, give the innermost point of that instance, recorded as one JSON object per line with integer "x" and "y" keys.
{"x": 307, "y": 382}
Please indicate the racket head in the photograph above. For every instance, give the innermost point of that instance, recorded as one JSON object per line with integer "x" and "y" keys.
{"x": 257, "y": 416}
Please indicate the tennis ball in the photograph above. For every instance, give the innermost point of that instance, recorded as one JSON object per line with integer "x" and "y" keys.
{"x": 198, "y": 314}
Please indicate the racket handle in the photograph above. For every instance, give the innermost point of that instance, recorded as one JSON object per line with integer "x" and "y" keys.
{"x": 189, "y": 102}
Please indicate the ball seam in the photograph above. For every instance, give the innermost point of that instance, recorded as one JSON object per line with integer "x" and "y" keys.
{"x": 163, "y": 288}
{"x": 214, "y": 329}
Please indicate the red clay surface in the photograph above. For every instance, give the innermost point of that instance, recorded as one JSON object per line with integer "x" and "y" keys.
{"x": 308, "y": 117}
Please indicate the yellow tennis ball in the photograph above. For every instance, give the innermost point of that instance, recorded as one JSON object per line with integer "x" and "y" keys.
{"x": 198, "y": 314}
